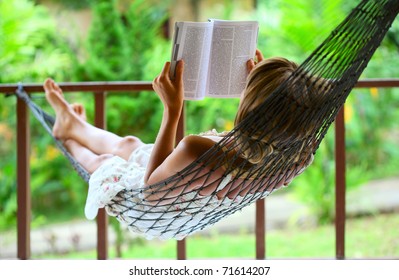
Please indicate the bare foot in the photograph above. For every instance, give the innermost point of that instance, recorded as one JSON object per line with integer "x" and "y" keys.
{"x": 65, "y": 114}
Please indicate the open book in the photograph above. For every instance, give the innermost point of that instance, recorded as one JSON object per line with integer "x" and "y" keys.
{"x": 215, "y": 54}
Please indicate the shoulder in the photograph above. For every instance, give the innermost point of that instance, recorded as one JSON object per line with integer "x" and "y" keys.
{"x": 194, "y": 146}
{"x": 187, "y": 151}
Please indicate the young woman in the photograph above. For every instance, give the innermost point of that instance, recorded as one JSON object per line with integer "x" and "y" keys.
{"x": 121, "y": 164}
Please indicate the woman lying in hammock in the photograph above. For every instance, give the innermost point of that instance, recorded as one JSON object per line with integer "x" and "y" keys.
{"x": 121, "y": 168}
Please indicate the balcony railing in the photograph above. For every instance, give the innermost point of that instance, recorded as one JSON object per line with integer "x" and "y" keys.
{"x": 100, "y": 90}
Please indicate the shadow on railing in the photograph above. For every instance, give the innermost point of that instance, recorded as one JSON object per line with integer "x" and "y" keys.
{"x": 100, "y": 89}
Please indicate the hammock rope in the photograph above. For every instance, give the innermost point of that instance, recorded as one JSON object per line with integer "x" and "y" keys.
{"x": 291, "y": 123}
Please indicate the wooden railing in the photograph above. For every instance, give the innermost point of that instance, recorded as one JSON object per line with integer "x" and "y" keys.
{"x": 100, "y": 89}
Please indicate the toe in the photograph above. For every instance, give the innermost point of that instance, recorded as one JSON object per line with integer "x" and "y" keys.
{"x": 76, "y": 108}
{"x": 57, "y": 87}
{"x": 47, "y": 84}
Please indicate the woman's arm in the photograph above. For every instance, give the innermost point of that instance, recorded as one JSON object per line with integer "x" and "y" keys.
{"x": 171, "y": 95}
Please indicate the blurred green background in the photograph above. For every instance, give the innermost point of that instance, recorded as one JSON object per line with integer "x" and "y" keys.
{"x": 125, "y": 40}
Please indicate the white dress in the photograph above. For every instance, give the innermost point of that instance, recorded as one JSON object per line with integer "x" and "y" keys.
{"x": 117, "y": 185}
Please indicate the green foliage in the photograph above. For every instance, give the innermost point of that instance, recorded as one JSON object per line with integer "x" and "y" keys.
{"x": 371, "y": 129}
{"x": 8, "y": 194}
{"x": 143, "y": 31}
{"x": 50, "y": 188}
{"x": 30, "y": 48}
{"x": 294, "y": 28}
{"x": 73, "y": 4}
{"x": 118, "y": 44}
{"x": 210, "y": 113}
{"x": 125, "y": 46}
{"x": 107, "y": 46}
{"x": 372, "y": 151}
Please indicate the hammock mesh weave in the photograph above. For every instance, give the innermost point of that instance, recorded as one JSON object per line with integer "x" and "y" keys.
{"x": 312, "y": 96}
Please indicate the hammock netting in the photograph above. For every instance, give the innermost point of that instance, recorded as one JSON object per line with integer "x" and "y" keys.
{"x": 289, "y": 124}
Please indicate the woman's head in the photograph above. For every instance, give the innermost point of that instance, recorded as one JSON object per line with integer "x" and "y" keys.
{"x": 261, "y": 82}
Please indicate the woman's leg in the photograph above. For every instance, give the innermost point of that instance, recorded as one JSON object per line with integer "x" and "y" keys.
{"x": 69, "y": 125}
{"x": 89, "y": 160}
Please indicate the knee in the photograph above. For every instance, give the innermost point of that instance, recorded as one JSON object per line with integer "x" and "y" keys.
{"x": 130, "y": 140}
{"x": 126, "y": 146}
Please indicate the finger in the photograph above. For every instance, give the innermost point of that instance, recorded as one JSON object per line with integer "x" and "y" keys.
{"x": 165, "y": 70}
{"x": 259, "y": 55}
{"x": 250, "y": 65}
{"x": 155, "y": 82}
{"x": 179, "y": 70}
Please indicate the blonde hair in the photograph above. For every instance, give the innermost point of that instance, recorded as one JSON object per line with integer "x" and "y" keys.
{"x": 261, "y": 82}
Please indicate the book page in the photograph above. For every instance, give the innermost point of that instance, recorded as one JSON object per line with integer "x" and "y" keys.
{"x": 192, "y": 44}
{"x": 233, "y": 44}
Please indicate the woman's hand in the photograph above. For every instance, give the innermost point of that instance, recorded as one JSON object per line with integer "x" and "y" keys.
{"x": 252, "y": 62}
{"x": 170, "y": 91}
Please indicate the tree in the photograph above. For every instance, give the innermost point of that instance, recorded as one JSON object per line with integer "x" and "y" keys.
{"x": 29, "y": 37}
{"x": 107, "y": 49}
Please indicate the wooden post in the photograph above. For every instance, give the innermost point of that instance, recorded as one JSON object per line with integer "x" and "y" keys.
{"x": 181, "y": 245}
{"x": 340, "y": 185}
{"x": 260, "y": 230}
{"x": 102, "y": 219}
{"x": 23, "y": 182}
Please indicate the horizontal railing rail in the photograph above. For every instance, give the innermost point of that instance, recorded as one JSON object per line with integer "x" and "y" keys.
{"x": 99, "y": 89}
{"x": 81, "y": 87}
{"x": 147, "y": 86}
